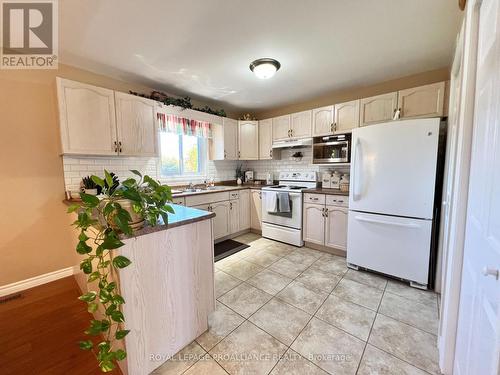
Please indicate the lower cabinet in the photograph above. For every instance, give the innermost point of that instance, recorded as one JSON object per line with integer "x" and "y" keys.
{"x": 325, "y": 225}
{"x": 256, "y": 210}
{"x": 221, "y": 220}
{"x": 234, "y": 216}
{"x": 244, "y": 210}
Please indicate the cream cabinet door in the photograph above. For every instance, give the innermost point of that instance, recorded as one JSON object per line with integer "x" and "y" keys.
{"x": 336, "y": 227}
{"x": 234, "y": 216}
{"x": 244, "y": 207}
{"x": 86, "y": 118}
{"x": 230, "y": 128}
{"x": 301, "y": 124}
{"x": 378, "y": 108}
{"x": 136, "y": 125}
{"x": 423, "y": 101}
{"x": 248, "y": 140}
{"x": 221, "y": 220}
{"x": 266, "y": 139}
{"x": 346, "y": 116}
{"x": 256, "y": 210}
{"x": 314, "y": 223}
{"x": 322, "y": 119}
{"x": 281, "y": 127}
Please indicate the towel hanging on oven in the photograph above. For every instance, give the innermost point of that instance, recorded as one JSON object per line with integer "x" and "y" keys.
{"x": 283, "y": 202}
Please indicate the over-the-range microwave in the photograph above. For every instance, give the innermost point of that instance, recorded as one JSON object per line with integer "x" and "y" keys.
{"x": 332, "y": 149}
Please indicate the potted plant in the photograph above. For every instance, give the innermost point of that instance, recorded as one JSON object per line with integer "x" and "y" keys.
{"x": 101, "y": 222}
{"x": 89, "y": 186}
{"x": 239, "y": 174}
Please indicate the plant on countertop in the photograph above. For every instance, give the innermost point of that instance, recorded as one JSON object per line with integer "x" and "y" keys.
{"x": 100, "y": 222}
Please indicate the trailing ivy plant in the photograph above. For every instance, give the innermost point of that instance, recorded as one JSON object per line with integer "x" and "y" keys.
{"x": 101, "y": 222}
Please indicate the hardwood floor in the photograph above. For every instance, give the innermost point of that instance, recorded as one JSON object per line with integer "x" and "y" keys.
{"x": 39, "y": 332}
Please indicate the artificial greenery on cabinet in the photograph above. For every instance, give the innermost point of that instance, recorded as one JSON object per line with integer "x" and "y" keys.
{"x": 101, "y": 223}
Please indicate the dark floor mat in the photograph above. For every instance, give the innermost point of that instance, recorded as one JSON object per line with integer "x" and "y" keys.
{"x": 226, "y": 248}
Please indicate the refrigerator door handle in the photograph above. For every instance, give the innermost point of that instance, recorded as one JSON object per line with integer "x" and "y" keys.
{"x": 355, "y": 195}
{"x": 361, "y": 218}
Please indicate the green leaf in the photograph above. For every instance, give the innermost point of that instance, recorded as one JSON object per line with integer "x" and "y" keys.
{"x": 111, "y": 242}
{"x": 110, "y": 309}
{"x": 120, "y": 354}
{"x": 111, "y": 286}
{"x": 132, "y": 194}
{"x": 117, "y": 316}
{"x": 136, "y": 172}
{"x": 83, "y": 248}
{"x": 120, "y": 334}
{"x": 92, "y": 307}
{"x": 90, "y": 200}
{"x": 86, "y": 266}
{"x": 118, "y": 300}
{"x": 106, "y": 366}
{"x": 98, "y": 181}
{"x": 129, "y": 182}
{"x": 105, "y": 325}
{"x": 88, "y": 297}
{"x": 93, "y": 276}
{"x": 122, "y": 224}
{"x": 83, "y": 237}
{"x": 104, "y": 296}
{"x": 85, "y": 345}
{"x": 109, "y": 178}
{"x": 73, "y": 208}
{"x": 104, "y": 346}
{"x": 95, "y": 328}
{"x": 168, "y": 208}
{"x": 121, "y": 262}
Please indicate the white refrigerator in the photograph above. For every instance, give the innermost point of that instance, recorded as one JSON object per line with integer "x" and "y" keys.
{"x": 391, "y": 201}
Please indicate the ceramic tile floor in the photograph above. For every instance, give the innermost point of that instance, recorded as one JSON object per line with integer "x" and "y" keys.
{"x": 288, "y": 310}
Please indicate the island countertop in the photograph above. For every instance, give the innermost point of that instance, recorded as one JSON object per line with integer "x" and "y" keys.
{"x": 182, "y": 215}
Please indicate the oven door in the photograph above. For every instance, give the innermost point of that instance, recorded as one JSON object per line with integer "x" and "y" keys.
{"x": 293, "y": 219}
{"x": 331, "y": 152}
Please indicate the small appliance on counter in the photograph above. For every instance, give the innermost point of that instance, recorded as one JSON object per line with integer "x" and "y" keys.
{"x": 249, "y": 176}
{"x": 331, "y": 180}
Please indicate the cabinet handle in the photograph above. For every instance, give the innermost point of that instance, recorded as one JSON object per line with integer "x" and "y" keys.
{"x": 334, "y": 127}
{"x": 260, "y": 195}
{"x": 313, "y": 199}
{"x": 231, "y": 205}
{"x": 120, "y": 146}
{"x": 291, "y": 132}
{"x": 271, "y": 153}
{"x": 225, "y": 154}
{"x": 239, "y": 154}
{"x": 116, "y": 146}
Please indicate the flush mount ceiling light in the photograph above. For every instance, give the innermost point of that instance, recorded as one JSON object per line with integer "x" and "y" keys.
{"x": 265, "y": 68}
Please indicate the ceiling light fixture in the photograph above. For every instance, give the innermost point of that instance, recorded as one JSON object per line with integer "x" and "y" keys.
{"x": 265, "y": 68}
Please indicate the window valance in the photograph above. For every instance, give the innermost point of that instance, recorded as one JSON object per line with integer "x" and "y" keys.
{"x": 181, "y": 125}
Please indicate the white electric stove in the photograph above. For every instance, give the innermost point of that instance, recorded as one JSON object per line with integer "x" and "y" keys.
{"x": 286, "y": 226}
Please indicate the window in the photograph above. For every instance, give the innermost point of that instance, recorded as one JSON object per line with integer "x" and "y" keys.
{"x": 182, "y": 155}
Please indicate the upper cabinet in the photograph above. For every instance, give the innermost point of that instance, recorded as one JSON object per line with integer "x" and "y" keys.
{"x": 266, "y": 139}
{"x": 422, "y": 101}
{"x": 378, "y": 108}
{"x": 281, "y": 127}
{"x": 87, "y": 119}
{"x": 346, "y": 116}
{"x": 248, "y": 140}
{"x": 322, "y": 121}
{"x": 224, "y": 142}
{"x": 301, "y": 124}
{"x": 136, "y": 125}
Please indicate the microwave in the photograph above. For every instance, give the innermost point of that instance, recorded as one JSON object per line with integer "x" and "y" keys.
{"x": 332, "y": 149}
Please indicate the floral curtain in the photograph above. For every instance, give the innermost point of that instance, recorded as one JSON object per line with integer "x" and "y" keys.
{"x": 181, "y": 125}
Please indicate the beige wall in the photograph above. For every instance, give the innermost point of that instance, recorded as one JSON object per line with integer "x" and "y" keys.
{"x": 35, "y": 233}
{"x": 359, "y": 92}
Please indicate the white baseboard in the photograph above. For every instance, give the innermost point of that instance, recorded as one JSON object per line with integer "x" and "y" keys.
{"x": 5, "y": 290}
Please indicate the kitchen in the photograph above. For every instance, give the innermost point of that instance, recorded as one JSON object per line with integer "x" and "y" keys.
{"x": 312, "y": 228}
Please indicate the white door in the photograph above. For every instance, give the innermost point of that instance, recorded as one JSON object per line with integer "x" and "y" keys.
{"x": 301, "y": 124}
{"x": 248, "y": 140}
{"x": 393, "y": 168}
{"x": 221, "y": 219}
{"x": 314, "y": 223}
{"x": 478, "y": 336}
{"x": 244, "y": 207}
{"x": 230, "y": 139}
{"x": 86, "y": 118}
{"x": 234, "y": 216}
{"x": 281, "y": 127}
{"x": 380, "y": 108}
{"x": 336, "y": 227}
{"x": 136, "y": 125}
{"x": 392, "y": 245}
{"x": 266, "y": 139}
{"x": 322, "y": 121}
{"x": 256, "y": 210}
{"x": 346, "y": 116}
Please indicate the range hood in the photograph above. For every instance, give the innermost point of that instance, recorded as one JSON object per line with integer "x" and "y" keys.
{"x": 293, "y": 143}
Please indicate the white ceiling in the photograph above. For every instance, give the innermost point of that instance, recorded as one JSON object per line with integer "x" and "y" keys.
{"x": 202, "y": 48}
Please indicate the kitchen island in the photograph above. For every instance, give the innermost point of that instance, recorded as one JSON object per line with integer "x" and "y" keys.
{"x": 168, "y": 288}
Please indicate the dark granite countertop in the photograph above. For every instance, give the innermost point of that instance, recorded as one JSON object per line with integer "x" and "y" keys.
{"x": 182, "y": 216}
{"x": 218, "y": 189}
{"x": 326, "y": 191}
